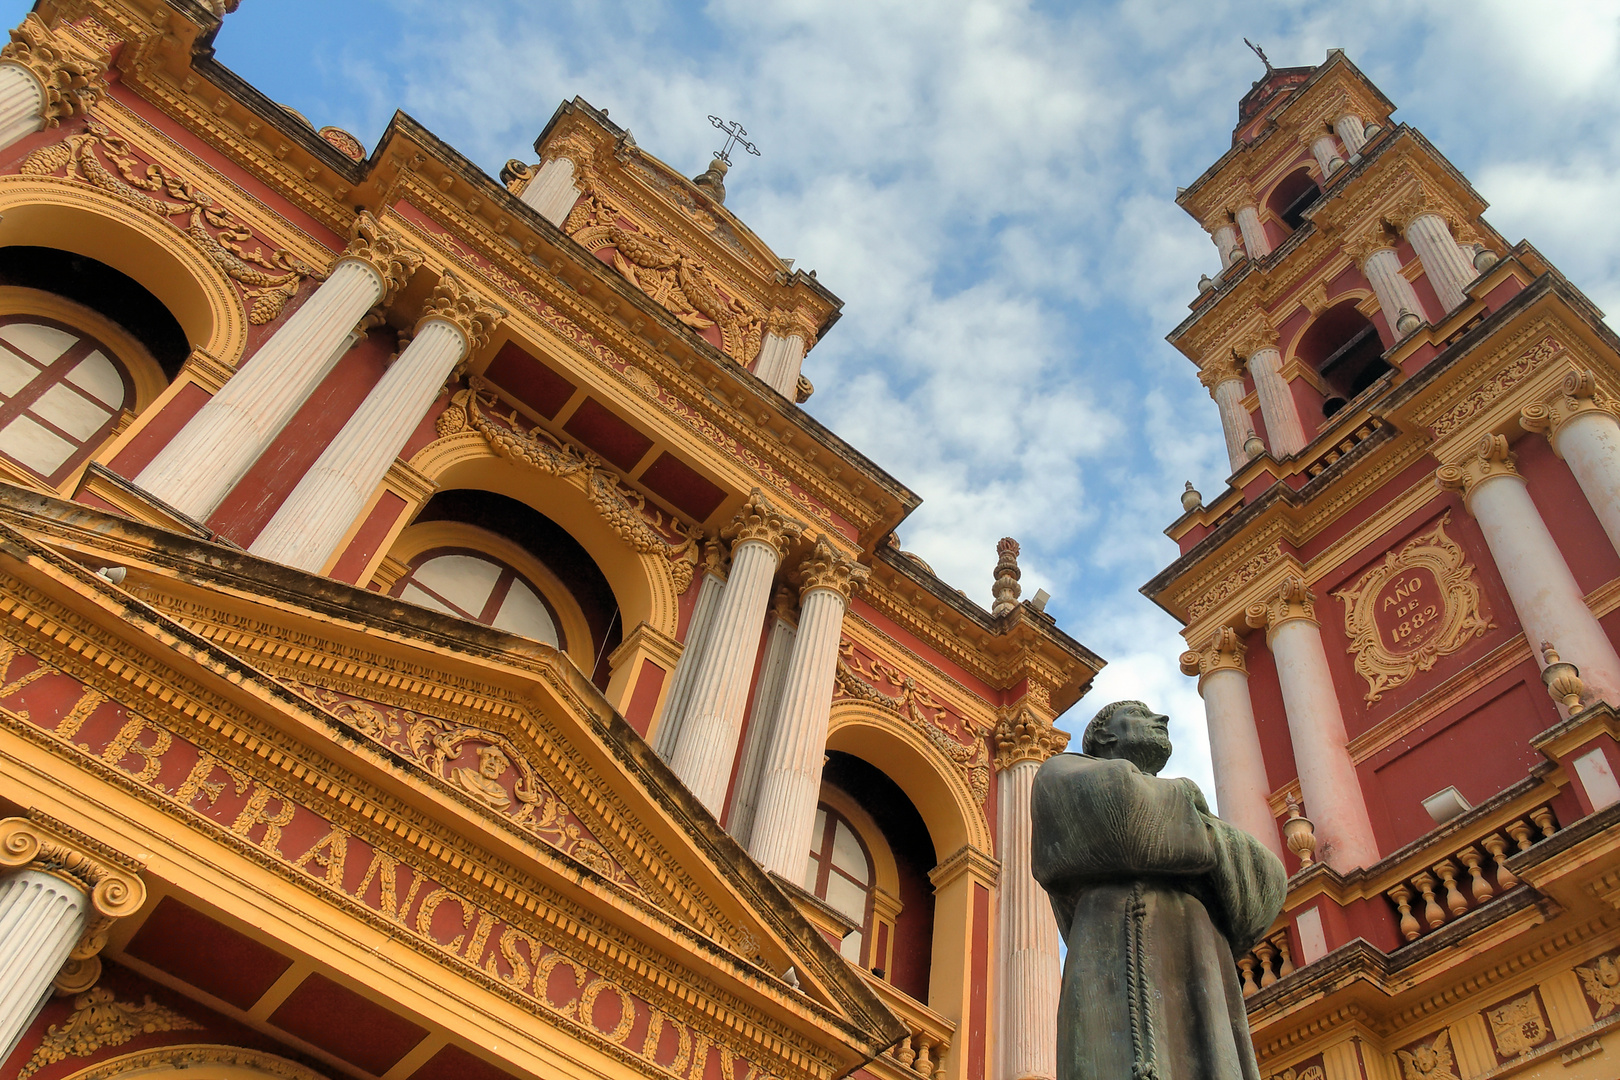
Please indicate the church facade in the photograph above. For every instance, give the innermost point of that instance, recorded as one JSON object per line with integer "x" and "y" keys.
{"x": 435, "y": 643}
{"x": 1402, "y": 610}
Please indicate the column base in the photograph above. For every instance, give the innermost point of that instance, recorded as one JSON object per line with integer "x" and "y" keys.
{"x": 104, "y": 489}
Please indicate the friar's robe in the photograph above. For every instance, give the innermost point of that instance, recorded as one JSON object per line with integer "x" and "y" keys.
{"x": 1153, "y": 894}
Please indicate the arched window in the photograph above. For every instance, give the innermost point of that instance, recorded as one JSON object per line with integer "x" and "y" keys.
{"x": 61, "y": 393}
{"x": 1343, "y": 346}
{"x": 478, "y": 586}
{"x": 1292, "y": 196}
{"x": 839, "y": 871}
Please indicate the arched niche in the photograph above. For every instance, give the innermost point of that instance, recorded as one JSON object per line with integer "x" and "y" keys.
{"x": 1342, "y": 346}
{"x": 42, "y": 212}
{"x": 929, "y": 779}
{"x": 643, "y": 584}
{"x": 196, "y": 1061}
{"x": 1292, "y": 196}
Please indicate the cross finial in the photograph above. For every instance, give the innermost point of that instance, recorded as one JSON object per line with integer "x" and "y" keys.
{"x": 734, "y": 137}
{"x": 1258, "y": 51}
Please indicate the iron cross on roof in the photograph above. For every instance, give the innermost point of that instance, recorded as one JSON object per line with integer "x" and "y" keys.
{"x": 734, "y": 137}
{"x": 1258, "y": 51}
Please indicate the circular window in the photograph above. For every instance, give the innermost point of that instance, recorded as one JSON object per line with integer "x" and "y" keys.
{"x": 61, "y": 393}
{"x": 472, "y": 585}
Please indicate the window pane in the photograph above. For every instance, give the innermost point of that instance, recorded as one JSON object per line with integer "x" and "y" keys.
{"x": 43, "y": 343}
{"x": 810, "y": 868}
{"x": 417, "y": 596}
{"x": 523, "y": 613}
{"x": 70, "y": 410}
{"x": 96, "y": 375}
{"x": 460, "y": 579}
{"x": 15, "y": 373}
{"x": 40, "y": 450}
{"x": 850, "y": 947}
{"x": 846, "y": 896}
{"x": 848, "y": 856}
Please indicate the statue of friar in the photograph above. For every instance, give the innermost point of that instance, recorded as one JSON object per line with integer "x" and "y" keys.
{"x": 1154, "y": 895}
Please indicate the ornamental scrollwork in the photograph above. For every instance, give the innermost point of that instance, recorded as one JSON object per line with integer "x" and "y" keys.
{"x": 268, "y": 280}
{"x": 646, "y": 529}
{"x": 1419, "y": 604}
{"x": 100, "y": 1021}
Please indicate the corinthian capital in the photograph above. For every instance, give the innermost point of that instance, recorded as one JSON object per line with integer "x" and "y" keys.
{"x": 71, "y": 85}
{"x": 827, "y": 568}
{"x": 1252, "y": 342}
{"x": 1577, "y": 397}
{"x": 1492, "y": 458}
{"x": 1023, "y": 736}
{"x": 1414, "y": 204}
{"x": 1218, "y": 369}
{"x": 1292, "y": 600}
{"x": 759, "y": 519}
{"x": 1224, "y": 652}
{"x": 385, "y": 251}
{"x": 455, "y": 303}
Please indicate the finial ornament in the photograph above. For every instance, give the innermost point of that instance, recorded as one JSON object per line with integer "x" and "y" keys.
{"x": 1299, "y": 833}
{"x": 1006, "y": 588}
{"x": 1252, "y": 446}
{"x": 1562, "y": 680}
{"x": 735, "y": 133}
{"x": 1191, "y": 498}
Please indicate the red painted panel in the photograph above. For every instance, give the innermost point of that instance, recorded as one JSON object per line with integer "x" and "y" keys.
{"x": 645, "y": 698}
{"x": 1568, "y": 514}
{"x": 346, "y": 1025}
{"x": 352, "y": 563}
{"x": 261, "y": 491}
{"x": 1276, "y": 746}
{"x": 872, "y": 616}
{"x": 528, "y": 380}
{"x": 979, "y": 986}
{"x": 207, "y": 954}
{"x": 454, "y": 1063}
{"x": 602, "y": 431}
{"x": 427, "y": 430}
{"x": 682, "y": 486}
{"x": 158, "y": 431}
{"x": 748, "y": 717}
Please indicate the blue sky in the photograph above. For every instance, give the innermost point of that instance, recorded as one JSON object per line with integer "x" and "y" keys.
{"x": 989, "y": 186}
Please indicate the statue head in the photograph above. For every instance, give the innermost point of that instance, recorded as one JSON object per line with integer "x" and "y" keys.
{"x": 1131, "y": 731}
{"x": 492, "y": 763}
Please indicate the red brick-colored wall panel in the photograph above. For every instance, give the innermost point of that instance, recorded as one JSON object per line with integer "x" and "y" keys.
{"x": 368, "y": 538}
{"x": 346, "y": 1025}
{"x": 454, "y": 1063}
{"x": 426, "y": 431}
{"x": 682, "y": 486}
{"x": 644, "y": 699}
{"x": 979, "y": 991}
{"x": 530, "y": 381}
{"x": 1265, "y": 695}
{"x": 616, "y": 440}
{"x": 207, "y": 954}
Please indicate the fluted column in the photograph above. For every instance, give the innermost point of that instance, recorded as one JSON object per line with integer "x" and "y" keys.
{"x": 785, "y": 809}
{"x": 1027, "y": 939}
{"x": 1584, "y": 432}
{"x": 1241, "y": 784}
{"x": 1381, "y": 266}
{"x": 310, "y": 525}
{"x": 551, "y": 190}
{"x": 1284, "y": 430}
{"x": 200, "y": 465}
{"x": 707, "y": 744}
{"x": 1225, "y": 385}
{"x": 1445, "y": 264}
{"x": 59, "y": 894}
{"x": 1351, "y": 132}
{"x": 1225, "y": 236}
{"x": 1254, "y": 234}
{"x": 698, "y": 630}
{"x": 1326, "y": 153}
{"x": 780, "y": 358}
{"x": 41, "y": 83}
{"x": 781, "y": 631}
{"x": 1327, "y": 776}
{"x": 1545, "y": 595}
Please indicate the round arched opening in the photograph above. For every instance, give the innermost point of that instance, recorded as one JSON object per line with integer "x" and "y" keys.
{"x": 1293, "y": 195}
{"x": 1342, "y": 346}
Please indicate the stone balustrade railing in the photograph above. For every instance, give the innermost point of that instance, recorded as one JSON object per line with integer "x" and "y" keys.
{"x": 922, "y": 1056}
{"x": 1326, "y": 456}
{"x": 1264, "y": 964}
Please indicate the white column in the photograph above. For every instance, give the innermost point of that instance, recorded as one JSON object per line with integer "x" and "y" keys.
{"x": 707, "y": 747}
{"x": 762, "y": 718}
{"x": 1235, "y": 424}
{"x": 1351, "y": 133}
{"x": 42, "y": 917}
{"x": 1545, "y": 596}
{"x": 1586, "y": 434}
{"x": 22, "y": 103}
{"x": 551, "y": 190}
{"x": 780, "y": 359}
{"x": 1284, "y": 430}
{"x": 1326, "y": 153}
{"x": 1226, "y": 242}
{"x": 308, "y": 527}
{"x": 1397, "y": 298}
{"x": 1448, "y": 269}
{"x": 698, "y": 631}
{"x": 1327, "y": 776}
{"x": 200, "y": 465}
{"x": 1031, "y": 973}
{"x": 1241, "y": 783}
{"x": 1254, "y": 234}
{"x": 790, "y": 783}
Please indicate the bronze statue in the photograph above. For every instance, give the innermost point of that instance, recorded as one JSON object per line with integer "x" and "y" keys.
{"x": 1154, "y": 895}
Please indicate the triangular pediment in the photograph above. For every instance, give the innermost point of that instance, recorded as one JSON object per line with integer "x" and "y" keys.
{"x": 391, "y": 756}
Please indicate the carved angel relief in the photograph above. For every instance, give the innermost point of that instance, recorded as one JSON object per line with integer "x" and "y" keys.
{"x": 683, "y": 285}
{"x": 1420, "y": 604}
{"x": 1601, "y": 981}
{"x": 1433, "y": 1061}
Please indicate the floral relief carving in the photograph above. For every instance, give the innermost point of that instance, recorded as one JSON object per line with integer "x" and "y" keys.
{"x": 71, "y": 85}
{"x": 267, "y": 279}
{"x": 499, "y": 777}
{"x": 1247, "y": 572}
{"x": 100, "y": 1021}
{"x": 860, "y": 677}
{"x": 646, "y": 529}
{"x": 1497, "y": 385}
{"x": 1419, "y": 604}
